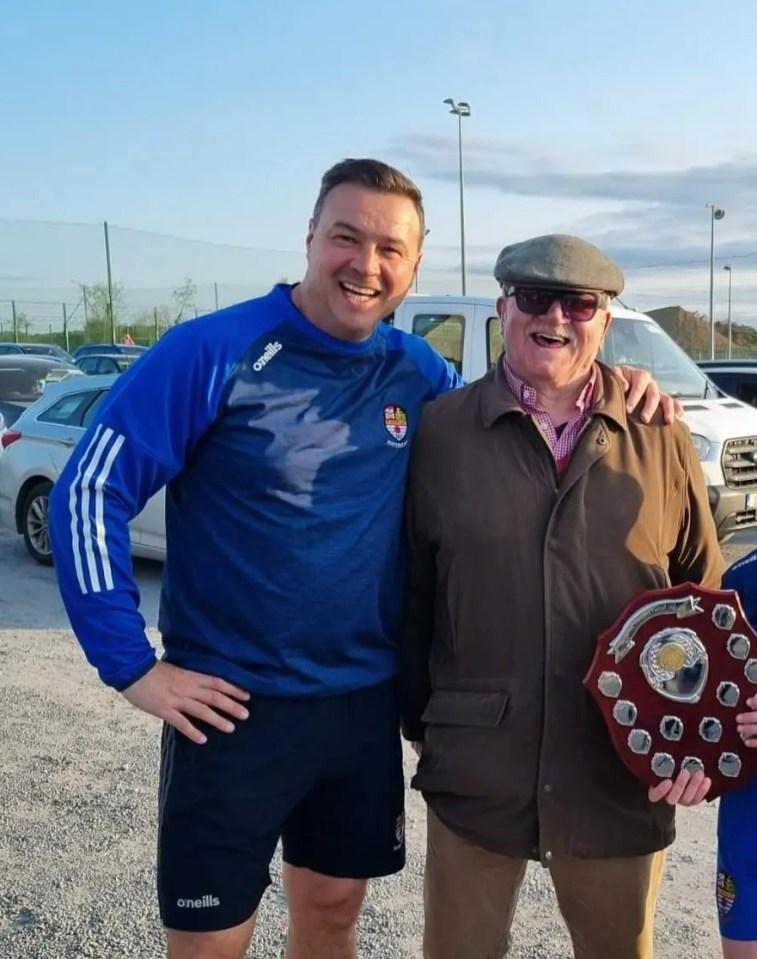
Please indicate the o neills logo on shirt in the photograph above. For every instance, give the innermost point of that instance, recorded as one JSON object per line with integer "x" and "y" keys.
{"x": 205, "y": 902}
{"x": 271, "y": 349}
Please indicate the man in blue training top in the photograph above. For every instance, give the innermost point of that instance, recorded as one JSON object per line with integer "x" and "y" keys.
{"x": 281, "y": 430}
{"x": 736, "y": 888}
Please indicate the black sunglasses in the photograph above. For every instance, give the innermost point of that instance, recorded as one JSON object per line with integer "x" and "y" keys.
{"x": 576, "y": 307}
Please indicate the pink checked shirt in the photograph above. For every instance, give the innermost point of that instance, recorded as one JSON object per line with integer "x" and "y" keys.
{"x": 561, "y": 438}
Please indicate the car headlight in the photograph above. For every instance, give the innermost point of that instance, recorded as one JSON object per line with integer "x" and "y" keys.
{"x": 701, "y": 445}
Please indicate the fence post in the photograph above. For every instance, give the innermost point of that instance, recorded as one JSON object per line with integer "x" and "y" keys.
{"x": 215, "y": 290}
{"x": 86, "y": 317}
{"x": 15, "y": 321}
{"x": 155, "y": 321}
{"x": 65, "y": 328}
{"x": 111, "y": 312}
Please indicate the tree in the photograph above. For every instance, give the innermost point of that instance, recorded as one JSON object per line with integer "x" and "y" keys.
{"x": 23, "y": 323}
{"x": 184, "y": 298}
{"x": 97, "y": 309}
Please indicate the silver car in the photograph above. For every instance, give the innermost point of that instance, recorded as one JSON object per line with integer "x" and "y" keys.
{"x": 34, "y": 451}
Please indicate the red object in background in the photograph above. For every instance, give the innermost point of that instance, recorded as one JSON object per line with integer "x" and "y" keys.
{"x": 670, "y": 675}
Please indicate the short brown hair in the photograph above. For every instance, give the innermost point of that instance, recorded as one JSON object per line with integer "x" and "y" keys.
{"x": 373, "y": 175}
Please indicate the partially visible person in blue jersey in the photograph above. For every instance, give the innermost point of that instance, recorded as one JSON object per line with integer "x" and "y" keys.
{"x": 736, "y": 887}
{"x": 281, "y": 430}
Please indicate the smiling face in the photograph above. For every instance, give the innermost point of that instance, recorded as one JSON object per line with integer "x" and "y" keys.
{"x": 550, "y": 351}
{"x": 363, "y": 251}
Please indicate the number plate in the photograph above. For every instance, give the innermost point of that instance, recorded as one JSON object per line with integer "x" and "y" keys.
{"x": 751, "y": 501}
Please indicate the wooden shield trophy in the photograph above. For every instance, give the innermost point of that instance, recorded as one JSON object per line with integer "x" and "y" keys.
{"x": 670, "y": 676}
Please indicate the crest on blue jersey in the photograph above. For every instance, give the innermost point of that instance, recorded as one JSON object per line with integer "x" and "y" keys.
{"x": 395, "y": 422}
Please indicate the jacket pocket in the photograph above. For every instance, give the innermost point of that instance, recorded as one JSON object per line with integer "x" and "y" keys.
{"x": 463, "y": 743}
{"x": 452, "y": 707}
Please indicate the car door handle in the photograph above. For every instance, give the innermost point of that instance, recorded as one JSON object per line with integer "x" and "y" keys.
{"x": 69, "y": 440}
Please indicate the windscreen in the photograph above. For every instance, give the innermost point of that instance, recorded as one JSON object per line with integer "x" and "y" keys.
{"x": 644, "y": 344}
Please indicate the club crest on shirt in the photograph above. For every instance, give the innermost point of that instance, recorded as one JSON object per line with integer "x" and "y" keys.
{"x": 395, "y": 423}
{"x": 726, "y": 893}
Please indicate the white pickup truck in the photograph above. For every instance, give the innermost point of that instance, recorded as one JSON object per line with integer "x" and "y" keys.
{"x": 466, "y": 331}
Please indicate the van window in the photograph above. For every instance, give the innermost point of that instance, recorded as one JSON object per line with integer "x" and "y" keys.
{"x": 493, "y": 341}
{"x": 444, "y": 331}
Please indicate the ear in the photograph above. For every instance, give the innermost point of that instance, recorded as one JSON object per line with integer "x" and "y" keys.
{"x": 309, "y": 236}
{"x": 417, "y": 264}
{"x": 501, "y": 310}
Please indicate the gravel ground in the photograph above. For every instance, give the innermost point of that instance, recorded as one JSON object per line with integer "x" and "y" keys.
{"x": 77, "y": 815}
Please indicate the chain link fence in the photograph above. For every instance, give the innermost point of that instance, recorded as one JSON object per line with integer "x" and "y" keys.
{"x": 70, "y": 284}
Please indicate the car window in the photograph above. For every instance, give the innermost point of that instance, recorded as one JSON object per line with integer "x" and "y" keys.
{"x": 87, "y": 364}
{"x": 443, "y": 331}
{"x": 89, "y": 413}
{"x": 68, "y": 410}
{"x": 742, "y": 386}
{"x": 7, "y": 350}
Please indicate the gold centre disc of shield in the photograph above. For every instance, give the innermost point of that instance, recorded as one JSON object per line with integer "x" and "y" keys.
{"x": 671, "y": 657}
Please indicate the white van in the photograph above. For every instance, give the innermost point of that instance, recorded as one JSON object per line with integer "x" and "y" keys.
{"x": 466, "y": 331}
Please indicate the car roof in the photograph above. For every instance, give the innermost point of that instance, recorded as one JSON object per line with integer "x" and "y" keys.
{"x": 110, "y": 356}
{"x": 113, "y": 347}
{"x": 733, "y": 359}
{"x": 22, "y": 345}
{"x": 22, "y": 360}
{"x": 727, "y": 364}
{"x": 76, "y": 384}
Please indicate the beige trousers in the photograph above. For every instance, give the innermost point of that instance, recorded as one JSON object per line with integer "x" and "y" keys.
{"x": 470, "y": 897}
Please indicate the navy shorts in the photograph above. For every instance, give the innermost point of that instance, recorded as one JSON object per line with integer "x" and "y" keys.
{"x": 324, "y": 775}
{"x": 736, "y": 887}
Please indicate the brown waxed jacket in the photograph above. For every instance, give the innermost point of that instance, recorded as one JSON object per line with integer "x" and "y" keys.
{"x": 513, "y": 572}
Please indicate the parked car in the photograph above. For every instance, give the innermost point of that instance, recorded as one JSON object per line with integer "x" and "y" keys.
{"x": 35, "y": 450}
{"x": 101, "y": 363}
{"x": 126, "y": 349}
{"x": 36, "y": 349}
{"x": 736, "y": 378}
{"x": 23, "y": 378}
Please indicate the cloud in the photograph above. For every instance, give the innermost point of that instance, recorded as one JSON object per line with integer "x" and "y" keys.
{"x": 651, "y": 217}
{"x": 517, "y": 170}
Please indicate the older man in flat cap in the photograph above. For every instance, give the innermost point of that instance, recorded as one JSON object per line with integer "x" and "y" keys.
{"x": 537, "y": 508}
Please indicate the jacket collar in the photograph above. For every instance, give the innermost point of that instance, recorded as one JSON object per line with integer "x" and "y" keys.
{"x": 497, "y": 400}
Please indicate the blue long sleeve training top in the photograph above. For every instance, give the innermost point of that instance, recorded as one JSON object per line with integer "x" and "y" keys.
{"x": 284, "y": 454}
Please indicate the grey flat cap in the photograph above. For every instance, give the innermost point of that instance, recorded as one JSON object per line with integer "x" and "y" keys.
{"x": 558, "y": 260}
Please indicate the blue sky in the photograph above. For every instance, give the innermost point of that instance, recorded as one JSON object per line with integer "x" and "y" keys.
{"x": 214, "y": 122}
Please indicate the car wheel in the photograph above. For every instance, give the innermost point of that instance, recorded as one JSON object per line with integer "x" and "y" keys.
{"x": 34, "y": 522}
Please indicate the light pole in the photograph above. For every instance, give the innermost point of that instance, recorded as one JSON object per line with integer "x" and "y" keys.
{"x": 461, "y": 109}
{"x": 730, "y": 283}
{"x": 716, "y": 213}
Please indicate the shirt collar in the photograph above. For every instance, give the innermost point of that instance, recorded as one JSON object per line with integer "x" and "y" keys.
{"x": 497, "y": 398}
{"x": 526, "y": 394}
